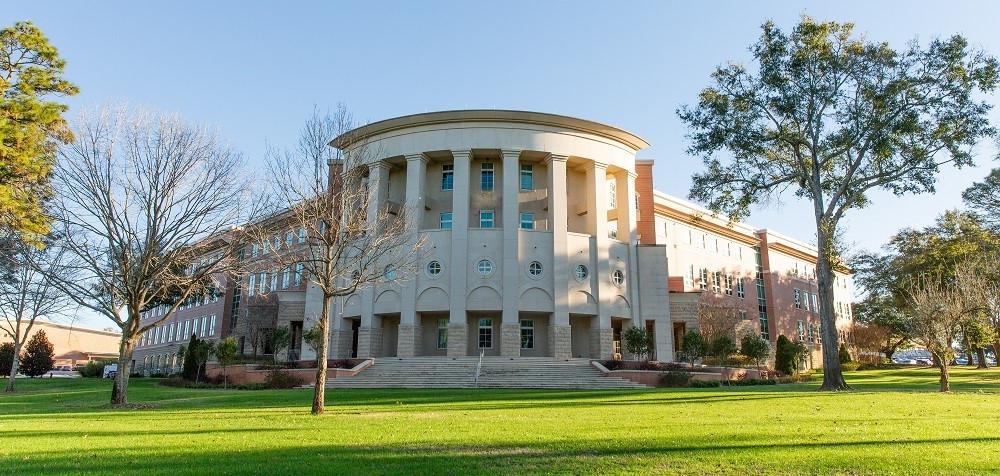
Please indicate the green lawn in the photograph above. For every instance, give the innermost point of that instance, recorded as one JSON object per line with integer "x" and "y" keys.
{"x": 895, "y": 423}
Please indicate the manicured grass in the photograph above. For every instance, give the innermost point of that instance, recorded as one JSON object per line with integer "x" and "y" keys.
{"x": 894, "y": 423}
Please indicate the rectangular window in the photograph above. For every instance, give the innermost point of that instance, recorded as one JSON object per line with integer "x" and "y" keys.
{"x": 704, "y": 241}
{"x": 170, "y": 332}
{"x": 801, "y": 328}
{"x": 613, "y": 229}
{"x": 486, "y": 176}
{"x": 798, "y": 299}
{"x": 274, "y": 281}
{"x": 812, "y": 336}
{"x": 486, "y": 218}
{"x": 612, "y": 194}
{"x": 729, "y": 285}
{"x": 251, "y": 284}
{"x": 527, "y": 177}
{"x": 690, "y": 237}
{"x": 302, "y": 235}
{"x": 298, "y": 273}
{"x": 486, "y": 333}
{"x": 286, "y": 277}
{"x": 204, "y": 326}
{"x": 444, "y": 222}
{"x": 716, "y": 282}
{"x": 703, "y": 279}
{"x": 253, "y": 250}
{"x": 211, "y": 325}
{"x": 689, "y": 277}
{"x": 447, "y": 177}
{"x": 743, "y": 315}
{"x": 527, "y": 334}
{"x": 442, "y": 335}
{"x": 289, "y": 238}
{"x": 262, "y": 283}
{"x": 187, "y": 329}
{"x": 741, "y": 291}
{"x": 527, "y": 221}
{"x": 815, "y": 303}
{"x": 805, "y": 300}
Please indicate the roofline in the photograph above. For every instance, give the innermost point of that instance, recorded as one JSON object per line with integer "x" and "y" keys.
{"x": 77, "y": 329}
{"x": 489, "y": 115}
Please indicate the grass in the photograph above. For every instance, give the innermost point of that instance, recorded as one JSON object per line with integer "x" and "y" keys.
{"x": 894, "y": 423}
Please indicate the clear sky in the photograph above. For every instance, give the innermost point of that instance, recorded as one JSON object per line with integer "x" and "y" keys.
{"x": 254, "y": 70}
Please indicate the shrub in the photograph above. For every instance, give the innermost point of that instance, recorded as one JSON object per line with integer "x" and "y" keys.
{"x": 692, "y": 347}
{"x": 722, "y": 348}
{"x": 850, "y": 366}
{"x": 787, "y": 354}
{"x": 705, "y": 383}
{"x": 675, "y": 379}
{"x": 6, "y": 358}
{"x": 845, "y": 355}
{"x": 92, "y": 369}
{"x": 39, "y": 355}
{"x": 751, "y": 381}
{"x": 636, "y": 342}
{"x": 282, "y": 379}
{"x": 755, "y": 348}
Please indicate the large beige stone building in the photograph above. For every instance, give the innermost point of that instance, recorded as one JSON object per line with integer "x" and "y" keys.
{"x": 545, "y": 238}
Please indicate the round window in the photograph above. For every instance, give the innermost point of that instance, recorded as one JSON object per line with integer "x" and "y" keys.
{"x": 484, "y": 267}
{"x": 390, "y": 273}
{"x": 618, "y": 277}
{"x": 356, "y": 275}
{"x": 580, "y": 272}
{"x": 434, "y": 268}
{"x": 535, "y": 269}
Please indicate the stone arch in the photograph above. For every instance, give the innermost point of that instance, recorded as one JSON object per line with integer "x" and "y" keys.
{"x": 387, "y": 302}
{"x": 536, "y": 299}
{"x": 483, "y": 298}
{"x": 620, "y": 307}
{"x": 433, "y": 299}
{"x": 352, "y": 305}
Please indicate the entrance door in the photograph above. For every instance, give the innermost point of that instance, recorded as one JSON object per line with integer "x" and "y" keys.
{"x": 679, "y": 329}
{"x": 651, "y": 339}
{"x": 355, "y": 325}
{"x": 295, "y": 352}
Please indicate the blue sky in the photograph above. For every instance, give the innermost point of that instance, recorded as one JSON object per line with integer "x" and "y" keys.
{"x": 254, "y": 70}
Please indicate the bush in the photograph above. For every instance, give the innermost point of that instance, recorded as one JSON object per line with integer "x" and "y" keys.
{"x": 39, "y": 355}
{"x": 675, "y": 379}
{"x": 6, "y": 358}
{"x": 637, "y": 342}
{"x": 92, "y": 369}
{"x": 692, "y": 347}
{"x": 705, "y": 383}
{"x": 850, "y": 366}
{"x": 722, "y": 348}
{"x": 755, "y": 348}
{"x": 633, "y": 365}
{"x": 281, "y": 379}
{"x": 844, "y": 354}
{"x": 751, "y": 381}
{"x": 787, "y": 354}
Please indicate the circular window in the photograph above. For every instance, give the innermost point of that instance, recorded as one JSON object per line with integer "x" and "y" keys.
{"x": 580, "y": 272}
{"x": 390, "y": 273}
{"x": 434, "y": 268}
{"x": 535, "y": 269}
{"x": 484, "y": 267}
{"x": 356, "y": 275}
{"x": 618, "y": 277}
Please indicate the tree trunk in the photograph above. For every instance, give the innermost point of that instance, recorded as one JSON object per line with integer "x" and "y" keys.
{"x": 15, "y": 364}
{"x": 833, "y": 376}
{"x": 319, "y": 393}
{"x": 981, "y": 355}
{"x": 945, "y": 385}
{"x": 119, "y": 393}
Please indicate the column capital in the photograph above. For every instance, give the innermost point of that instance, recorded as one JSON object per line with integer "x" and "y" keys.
{"x": 422, "y": 157}
{"x": 510, "y": 152}
{"x": 379, "y": 164}
{"x": 599, "y": 165}
{"x": 463, "y": 153}
{"x": 556, "y": 158}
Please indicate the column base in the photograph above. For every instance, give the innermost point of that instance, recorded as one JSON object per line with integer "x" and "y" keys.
{"x": 406, "y": 341}
{"x": 601, "y": 345}
{"x": 457, "y": 340}
{"x": 365, "y": 350}
{"x": 560, "y": 342}
{"x": 510, "y": 340}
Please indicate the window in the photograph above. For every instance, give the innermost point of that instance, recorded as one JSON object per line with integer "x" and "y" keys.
{"x": 262, "y": 283}
{"x": 298, "y": 273}
{"x": 180, "y": 331}
{"x": 580, "y": 272}
{"x": 527, "y": 334}
{"x": 444, "y": 222}
{"x": 289, "y": 238}
{"x": 484, "y": 267}
{"x": 171, "y": 332}
{"x": 535, "y": 269}
{"x": 486, "y": 176}
{"x": 728, "y": 288}
{"x": 442, "y": 334}
{"x": 716, "y": 282}
{"x": 187, "y": 329}
{"x": 689, "y": 276}
{"x": 447, "y": 177}
{"x": 613, "y": 229}
{"x": 617, "y": 277}
{"x": 704, "y": 241}
{"x": 743, "y": 315}
{"x": 486, "y": 333}
{"x": 286, "y": 276}
{"x": 805, "y": 300}
{"x": 486, "y": 218}
{"x": 302, "y": 235}
{"x": 740, "y": 290}
{"x": 800, "y": 326}
{"x": 690, "y": 237}
{"x": 274, "y": 281}
{"x": 434, "y": 268}
{"x": 815, "y": 303}
{"x": 253, "y": 250}
{"x": 612, "y": 194}
{"x": 527, "y": 177}
{"x": 204, "y": 326}
{"x": 252, "y": 284}
{"x": 390, "y": 273}
{"x": 703, "y": 279}
{"x": 798, "y": 299}
{"x": 211, "y": 325}
{"x": 812, "y": 336}
{"x": 527, "y": 221}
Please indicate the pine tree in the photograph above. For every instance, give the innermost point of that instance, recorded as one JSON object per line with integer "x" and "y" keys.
{"x": 39, "y": 355}
{"x": 6, "y": 358}
{"x": 190, "y": 370}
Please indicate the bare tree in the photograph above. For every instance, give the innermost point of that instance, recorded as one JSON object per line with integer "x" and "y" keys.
{"x": 146, "y": 204}
{"x": 29, "y": 295}
{"x": 323, "y": 192}
{"x": 718, "y": 317}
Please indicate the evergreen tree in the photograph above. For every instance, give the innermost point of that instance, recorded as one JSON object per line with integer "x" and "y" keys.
{"x": 6, "y": 358}
{"x": 190, "y": 369}
{"x": 784, "y": 356}
{"x": 39, "y": 355}
{"x": 845, "y": 355}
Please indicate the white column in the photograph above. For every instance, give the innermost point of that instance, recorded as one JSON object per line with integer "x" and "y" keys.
{"x": 408, "y": 343}
{"x": 628, "y": 231}
{"x": 597, "y": 221}
{"x": 510, "y": 329}
{"x": 458, "y": 322}
{"x": 370, "y": 333}
{"x": 560, "y": 343}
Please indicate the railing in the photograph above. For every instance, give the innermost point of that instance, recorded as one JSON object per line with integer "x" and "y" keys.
{"x": 479, "y": 366}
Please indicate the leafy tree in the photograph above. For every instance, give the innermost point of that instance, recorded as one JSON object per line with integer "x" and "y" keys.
{"x": 983, "y": 198}
{"x": 786, "y": 356}
{"x": 636, "y": 342}
{"x": 39, "y": 355}
{"x": 31, "y": 127}
{"x": 225, "y": 354}
{"x": 281, "y": 340}
{"x": 722, "y": 348}
{"x": 313, "y": 337}
{"x": 845, "y": 355}
{"x": 755, "y": 347}
{"x": 692, "y": 347}
{"x": 199, "y": 355}
{"x": 885, "y": 322}
{"x": 833, "y": 117}
{"x": 6, "y": 358}
{"x": 190, "y": 369}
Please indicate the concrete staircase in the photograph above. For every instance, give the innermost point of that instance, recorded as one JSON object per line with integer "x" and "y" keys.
{"x": 496, "y": 372}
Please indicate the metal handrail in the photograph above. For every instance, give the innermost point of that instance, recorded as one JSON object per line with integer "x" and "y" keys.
{"x": 479, "y": 366}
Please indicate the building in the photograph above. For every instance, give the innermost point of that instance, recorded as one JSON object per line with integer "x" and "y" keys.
{"x": 544, "y": 237}
{"x": 74, "y": 345}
